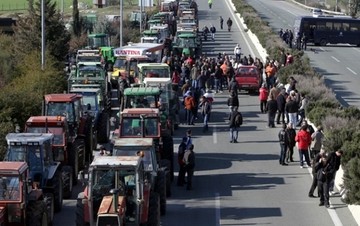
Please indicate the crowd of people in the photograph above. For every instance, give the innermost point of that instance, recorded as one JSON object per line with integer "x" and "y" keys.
{"x": 288, "y": 37}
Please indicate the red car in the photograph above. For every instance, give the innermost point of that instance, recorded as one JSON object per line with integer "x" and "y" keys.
{"x": 248, "y": 78}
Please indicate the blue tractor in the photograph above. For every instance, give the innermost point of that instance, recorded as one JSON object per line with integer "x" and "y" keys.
{"x": 98, "y": 107}
{"x": 36, "y": 150}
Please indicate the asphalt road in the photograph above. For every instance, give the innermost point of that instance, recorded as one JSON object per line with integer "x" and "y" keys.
{"x": 338, "y": 63}
{"x": 243, "y": 183}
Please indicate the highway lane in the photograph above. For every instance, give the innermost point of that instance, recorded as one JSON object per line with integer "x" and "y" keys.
{"x": 338, "y": 64}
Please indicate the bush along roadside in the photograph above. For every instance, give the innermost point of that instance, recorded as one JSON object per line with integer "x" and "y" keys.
{"x": 341, "y": 125}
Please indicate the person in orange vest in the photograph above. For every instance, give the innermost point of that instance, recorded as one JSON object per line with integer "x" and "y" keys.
{"x": 270, "y": 75}
{"x": 189, "y": 103}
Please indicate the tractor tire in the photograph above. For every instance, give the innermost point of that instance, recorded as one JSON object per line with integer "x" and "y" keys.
{"x": 37, "y": 213}
{"x": 58, "y": 191}
{"x": 168, "y": 153}
{"x": 67, "y": 178}
{"x": 49, "y": 200}
{"x": 103, "y": 128}
{"x": 166, "y": 165}
{"x": 154, "y": 210}
{"x": 80, "y": 220}
{"x": 77, "y": 158}
{"x": 160, "y": 189}
{"x": 89, "y": 141}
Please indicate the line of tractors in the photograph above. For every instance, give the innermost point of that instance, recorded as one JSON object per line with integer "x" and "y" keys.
{"x": 131, "y": 111}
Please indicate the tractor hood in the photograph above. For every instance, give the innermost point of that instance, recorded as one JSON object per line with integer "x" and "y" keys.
{"x": 107, "y": 205}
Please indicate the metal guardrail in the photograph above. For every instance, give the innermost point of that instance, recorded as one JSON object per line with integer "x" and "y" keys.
{"x": 325, "y": 11}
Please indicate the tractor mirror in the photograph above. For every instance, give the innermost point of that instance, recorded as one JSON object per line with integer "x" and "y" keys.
{"x": 140, "y": 201}
{"x": 83, "y": 177}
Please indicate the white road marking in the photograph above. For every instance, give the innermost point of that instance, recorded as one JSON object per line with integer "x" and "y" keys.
{"x": 214, "y": 134}
{"x": 335, "y": 59}
{"x": 322, "y": 49}
{"x": 356, "y": 49}
{"x": 351, "y": 71}
{"x": 291, "y": 13}
{"x": 238, "y": 25}
{"x": 217, "y": 209}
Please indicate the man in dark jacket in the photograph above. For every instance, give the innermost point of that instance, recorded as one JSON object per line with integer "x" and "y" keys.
{"x": 234, "y": 125}
{"x": 181, "y": 152}
{"x": 271, "y": 108}
{"x": 324, "y": 175}
{"x": 189, "y": 162}
{"x": 233, "y": 102}
{"x": 291, "y": 134}
{"x": 281, "y": 101}
{"x": 315, "y": 180}
{"x": 291, "y": 107}
{"x": 233, "y": 86}
{"x": 284, "y": 142}
{"x": 334, "y": 160}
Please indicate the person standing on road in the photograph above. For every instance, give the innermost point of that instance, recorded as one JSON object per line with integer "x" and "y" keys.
{"x": 237, "y": 53}
{"x": 221, "y": 22}
{"x": 271, "y": 108}
{"x": 233, "y": 102}
{"x": 291, "y": 133}
{"x": 291, "y": 107}
{"x": 229, "y": 24}
{"x": 189, "y": 162}
{"x": 314, "y": 184}
{"x": 235, "y": 121}
{"x": 303, "y": 138}
{"x": 281, "y": 101}
{"x": 263, "y": 96}
{"x": 205, "y": 106}
{"x": 181, "y": 152}
{"x": 213, "y": 31}
{"x": 210, "y": 3}
{"x": 334, "y": 161}
{"x": 284, "y": 142}
{"x": 189, "y": 103}
{"x": 233, "y": 86}
{"x": 323, "y": 174}
{"x": 317, "y": 138}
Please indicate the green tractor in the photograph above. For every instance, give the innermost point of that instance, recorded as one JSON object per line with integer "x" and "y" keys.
{"x": 188, "y": 43}
{"x": 101, "y": 41}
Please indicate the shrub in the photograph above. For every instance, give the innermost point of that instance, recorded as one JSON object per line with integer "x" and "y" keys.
{"x": 352, "y": 181}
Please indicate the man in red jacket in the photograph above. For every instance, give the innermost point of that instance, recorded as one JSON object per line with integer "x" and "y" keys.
{"x": 263, "y": 96}
{"x": 303, "y": 138}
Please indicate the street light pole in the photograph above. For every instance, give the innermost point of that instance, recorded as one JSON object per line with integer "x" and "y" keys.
{"x": 141, "y": 16}
{"x": 42, "y": 35}
{"x": 121, "y": 22}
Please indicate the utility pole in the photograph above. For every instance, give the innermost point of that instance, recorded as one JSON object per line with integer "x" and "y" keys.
{"x": 121, "y": 22}
{"x": 42, "y": 35}
{"x": 141, "y": 15}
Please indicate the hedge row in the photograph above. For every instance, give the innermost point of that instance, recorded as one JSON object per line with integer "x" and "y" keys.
{"x": 341, "y": 125}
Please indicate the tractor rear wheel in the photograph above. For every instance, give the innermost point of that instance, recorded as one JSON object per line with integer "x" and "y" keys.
{"x": 160, "y": 189}
{"x": 67, "y": 177}
{"x": 80, "y": 221}
{"x": 49, "y": 200}
{"x": 103, "y": 128}
{"x": 168, "y": 153}
{"x": 77, "y": 152}
{"x": 37, "y": 213}
{"x": 58, "y": 191}
{"x": 154, "y": 210}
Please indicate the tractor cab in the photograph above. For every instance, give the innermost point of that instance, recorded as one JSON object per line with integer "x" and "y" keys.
{"x": 36, "y": 150}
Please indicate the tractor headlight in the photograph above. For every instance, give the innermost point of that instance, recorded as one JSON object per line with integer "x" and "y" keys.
{"x": 59, "y": 154}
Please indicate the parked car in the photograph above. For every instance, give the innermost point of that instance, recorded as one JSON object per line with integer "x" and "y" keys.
{"x": 248, "y": 78}
{"x": 317, "y": 12}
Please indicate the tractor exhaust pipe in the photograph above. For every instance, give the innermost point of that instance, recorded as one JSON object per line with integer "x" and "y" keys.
{"x": 115, "y": 193}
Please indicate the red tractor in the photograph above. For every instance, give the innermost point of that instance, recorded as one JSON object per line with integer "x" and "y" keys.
{"x": 117, "y": 194}
{"x": 79, "y": 123}
{"x": 21, "y": 203}
{"x": 68, "y": 150}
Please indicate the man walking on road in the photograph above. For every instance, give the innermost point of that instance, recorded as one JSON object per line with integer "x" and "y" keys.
{"x": 237, "y": 53}
{"x": 233, "y": 102}
{"x": 221, "y": 22}
{"x": 334, "y": 161}
{"x": 315, "y": 180}
{"x": 235, "y": 121}
{"x": 229, "y": 24}
{"x": 205, "y": 106}
{"x": 323, "y": 172}
{"x": 271, "y": 108}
